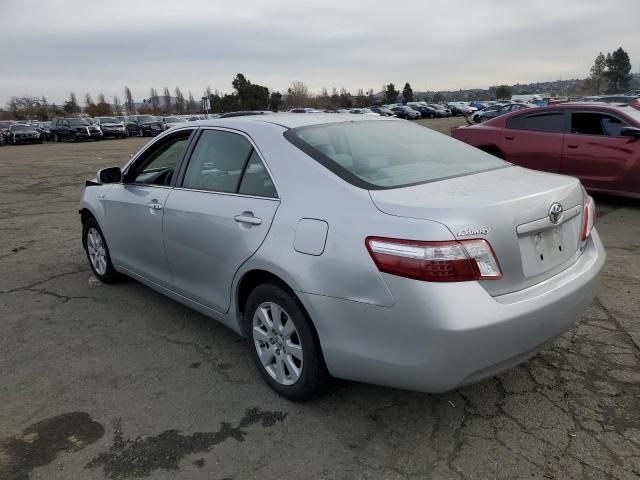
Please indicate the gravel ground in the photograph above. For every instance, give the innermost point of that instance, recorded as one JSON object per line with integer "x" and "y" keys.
{"x": 119, "y": 382}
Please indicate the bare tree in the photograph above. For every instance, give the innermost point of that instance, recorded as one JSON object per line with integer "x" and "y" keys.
{"x": 116, "y": 105}
{"x": 128, "y": 99}
{"x": 179, "y": 101}
{"x": 101, "y": 98}
{"x": 298, "y": 94}
{"x": 167, "y": 101}
{"x": 154, "y": 99}
{"x": 191, "y": 106}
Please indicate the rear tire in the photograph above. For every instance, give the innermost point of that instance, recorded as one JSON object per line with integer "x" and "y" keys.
{"x": 296, "y": 379}
{"x": 97, "y": 252}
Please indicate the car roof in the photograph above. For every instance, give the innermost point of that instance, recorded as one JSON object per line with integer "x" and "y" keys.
{"x": 287, "y": 120}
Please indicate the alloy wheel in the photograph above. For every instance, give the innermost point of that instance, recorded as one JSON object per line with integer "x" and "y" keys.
{"x": 97, "y": 251}
{"x": 277, "y": 343}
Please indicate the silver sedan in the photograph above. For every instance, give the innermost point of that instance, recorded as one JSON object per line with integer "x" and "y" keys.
{"x": 367, "y": 249}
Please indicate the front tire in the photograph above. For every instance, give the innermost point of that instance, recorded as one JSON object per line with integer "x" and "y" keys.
{"x": 97, "y": 251}
{"x": 283, "y": 343}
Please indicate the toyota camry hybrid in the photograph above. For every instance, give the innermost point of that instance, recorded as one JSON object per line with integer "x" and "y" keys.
{"x": 369, "y": 249}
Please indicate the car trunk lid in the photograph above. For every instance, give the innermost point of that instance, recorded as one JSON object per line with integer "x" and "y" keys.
{"x": 510, "y": 208}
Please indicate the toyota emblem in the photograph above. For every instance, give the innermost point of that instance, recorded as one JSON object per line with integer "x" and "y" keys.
{"x": 555, "y": 213}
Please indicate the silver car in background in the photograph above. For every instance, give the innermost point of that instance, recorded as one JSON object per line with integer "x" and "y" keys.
{"x": 367, "y": 249}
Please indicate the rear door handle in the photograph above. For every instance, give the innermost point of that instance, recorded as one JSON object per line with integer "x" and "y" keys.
{"x": 154, "y": 205}
{"x": 572, "y": 146}
{"x": 509, "y": 138}
{"x": 246, "y": 217}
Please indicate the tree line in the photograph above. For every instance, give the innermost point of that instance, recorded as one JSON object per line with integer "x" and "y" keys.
{"x": 610, "y": 73}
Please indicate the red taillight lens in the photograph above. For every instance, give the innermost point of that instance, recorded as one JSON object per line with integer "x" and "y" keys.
{"x": 588, "y": 217}
{"x": 449, "y": 261}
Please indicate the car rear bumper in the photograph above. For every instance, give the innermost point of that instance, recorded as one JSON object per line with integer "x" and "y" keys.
{"x": 439, "y": 336}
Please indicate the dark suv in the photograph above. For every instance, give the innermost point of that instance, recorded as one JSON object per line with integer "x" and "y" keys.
{"x": 143, "y": 125}
{"x": 74, "y": 129}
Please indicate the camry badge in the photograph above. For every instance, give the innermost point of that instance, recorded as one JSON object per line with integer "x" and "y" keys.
{"x": 465, "y": 232}
{"x": 555, "y": 213}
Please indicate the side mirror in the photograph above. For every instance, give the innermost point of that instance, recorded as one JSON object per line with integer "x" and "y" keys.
{"x": 632, "y": 132}
{"x": 109, "y": 175}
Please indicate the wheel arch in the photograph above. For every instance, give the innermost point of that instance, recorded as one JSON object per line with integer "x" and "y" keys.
{"x": 85, "y": 214}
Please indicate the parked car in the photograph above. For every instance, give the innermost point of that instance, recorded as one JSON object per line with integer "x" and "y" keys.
{"x": 479, "y": 105}
{"x": 74, "y": 129}
{"x": 460, "y": 108}
{"x": 4, "y": 130}
{"x": 442, "y": 110}
{"x": 363, "y": 111}
{"x": 490, "y": 108}
{"x": 343, "y": 246}
{"x": 599, "y": 144}
{"x": 18, "y": 134}
{"x": 425, "y": 111}
{"x": 143, "y": 125}
{"x": 384, "y": 111}
{"x": 304, "y": 110}
{"x": 111, "y": 127}
{"x": 44, "y": 129}
{"x": 168, "y": 122}
{"x": 490, "y": 113}
{"x": 614, "y": 99}
{"x": 408, "y": 113}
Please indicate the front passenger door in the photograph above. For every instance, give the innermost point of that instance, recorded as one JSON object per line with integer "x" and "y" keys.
{"x": 217, "y": 216}
{"x": 597, "y": 154}
{"x": 134, "y": 209}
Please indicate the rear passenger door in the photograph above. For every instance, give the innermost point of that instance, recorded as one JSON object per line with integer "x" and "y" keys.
{"x": 595, "y": 152}
{"x": 535, "y": 140}
{"x": 217, "y": 216}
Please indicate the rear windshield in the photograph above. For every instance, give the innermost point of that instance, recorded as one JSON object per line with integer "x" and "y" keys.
{"x": 389, "y": 154}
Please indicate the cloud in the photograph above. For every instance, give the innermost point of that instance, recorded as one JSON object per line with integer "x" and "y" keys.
{"x": 100, "y": 47}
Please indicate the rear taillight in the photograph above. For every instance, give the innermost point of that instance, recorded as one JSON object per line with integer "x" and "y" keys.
{"x": 588, "y": 217}
{"x": 449, "y": 261}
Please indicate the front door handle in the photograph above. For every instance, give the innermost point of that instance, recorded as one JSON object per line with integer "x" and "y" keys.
{"x": 509, "y": 138}
{"x": 154, "y": 205}
{"x": 247, "y": 217}
{"x": 572, "y": 146}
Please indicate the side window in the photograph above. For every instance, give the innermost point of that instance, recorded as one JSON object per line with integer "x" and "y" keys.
{"x": 544, "y": 122}
{"x": 256, "y": 180}
{"x": 217, "y": 162}
{"x": 157, "y": 166}
{"x": 65, "y": 123}
{"x": 593, "y": 123}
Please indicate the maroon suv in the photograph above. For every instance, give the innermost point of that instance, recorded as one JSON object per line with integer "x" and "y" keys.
{"x": 598, "y": 143}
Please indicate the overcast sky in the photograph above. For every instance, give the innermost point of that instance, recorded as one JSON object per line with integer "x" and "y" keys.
{"x": 52, "y": 48}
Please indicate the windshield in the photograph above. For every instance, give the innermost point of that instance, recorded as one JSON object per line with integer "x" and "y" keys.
{"x": 77, "y": 122}
{"x": 22, "y": 128}
{"x": 108, "y": 120}
{"x": 5, "y": 124}
{"x": 146, "y": 118}
{"x": 389, "y": 154}
{"x": 174, "y": 120}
